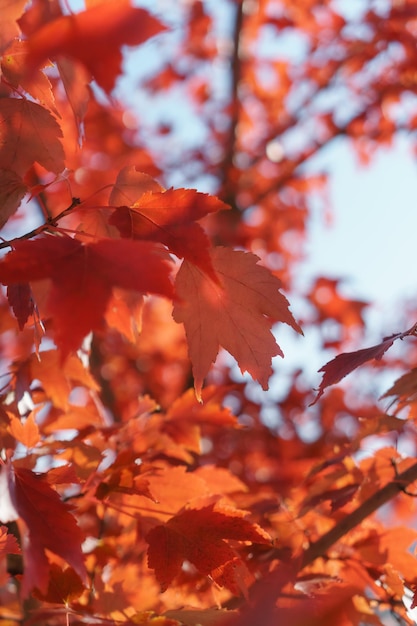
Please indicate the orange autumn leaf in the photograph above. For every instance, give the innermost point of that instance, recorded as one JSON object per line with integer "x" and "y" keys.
{"x": 186, "y": 415}
{"x": 199, "y": 536}
{"x": 57, "y": 376}
{"x": 8, "y": 543}
{"x": 175, "y": 487}
{"x": 131, "y": 184}
{"x": 64, "y": 586}
{"x": 94, "y": 37}
{"x": 26, "y": 432}
{"x": 237, "y": 314}
{"x": 13, "y": 66}
{"x": 10, "y": 11}
{"x": 124, "y": 313}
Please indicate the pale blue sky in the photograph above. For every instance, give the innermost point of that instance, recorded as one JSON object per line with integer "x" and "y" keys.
{"x": 373, "y": 235}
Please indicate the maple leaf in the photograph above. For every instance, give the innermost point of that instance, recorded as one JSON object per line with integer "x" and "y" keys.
{"x": 404, "y": 388}
{"x": 26, "y": 432}
{"x": 184, "y": 416}
{"x": 175, "y": 487}
{"x": 57, "y": 377}
{"x": 29, "y": 134}
{"x": 49, "y": 523}
{"x": 131, "y": 184}
{"x": 200, "y": 537}
{"x": 13, "y": 65}
{"x": 94, "y": 37}
{"x": 75, "y": 79}
{"x": 10, "y": 11}
{"x": 343, "y": 364}
{"x": 12, "y": 190}
{"x": 236, "y": 314}
{"x": 64, "y": 586}
{"x": 8, "y": 543}
{"x": 20, "y": 299}
{"x": 165, "y": 216}
{"x": 83, "y": 276}
{"x": 124, "y": 313}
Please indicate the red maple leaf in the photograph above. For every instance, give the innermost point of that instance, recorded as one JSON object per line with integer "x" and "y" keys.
{"x": 236, "y": 314}
{"x": 12, "y": 190}
{"x": 10, "y": 12}
{"x": 343, "y": 364}
{"x": 168, "y": 217}
{"x": 199, "y": 536}
{"x": 94, "y": 37}
{"x": 28, "y": 134}
{"x": 20, "y": 299}
{"x": 83, "y": 276}
{"x": 49, "y": 524}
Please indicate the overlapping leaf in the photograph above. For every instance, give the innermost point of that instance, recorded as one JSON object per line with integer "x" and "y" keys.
{"x": 29, "y": 134}
{"x": 57, "y": 378}
{"x": 13, "y": 67}
{"x": 8, "y": 543}
{"x": 10, "y": 11}
{"x": 200, "y": 537}
{"x": 26, "y": 432}
{"x": 12, "y": 190}
{"x": 165, "y": 216}
{"x": 20, "y": 299}
{"x": 94, "y": 37}
{"x": 237, "y": 314}
{"x": 49, "y": 524}
{"x": 82, "y": 277}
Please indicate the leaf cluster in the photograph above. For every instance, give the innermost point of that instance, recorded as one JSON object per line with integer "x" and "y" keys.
{"x": 143, "y": 479}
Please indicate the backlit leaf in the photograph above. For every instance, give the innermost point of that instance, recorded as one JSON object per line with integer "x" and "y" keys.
{"x": 26, "y": 432}
{"x": 344, "y": 364}
{"x": 29, "y": 134}
{"x": 49, "y": 524}
{"x": 170, "y": 218}
{"x": 131, "y": 184}
{"x": 237, "y": 314}
{"x": 12, "y": 190}
{"x": 83, "y": 276}
{"x": 94, "y": 37}
{"x": 20, "y": 299}
{"x": 10, "y": 11}
{"x": 199, "y": 536}
{"x": 8, "y": 543}
{"x": 57, "y": 377}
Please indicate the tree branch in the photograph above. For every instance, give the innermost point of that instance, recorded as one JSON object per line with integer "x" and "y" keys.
{"x": 372, "y": 504}
{"x": 228, "y": 191}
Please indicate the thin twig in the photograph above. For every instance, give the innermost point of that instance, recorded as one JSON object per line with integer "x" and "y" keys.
{"x": 50, "y": 223}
